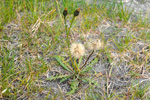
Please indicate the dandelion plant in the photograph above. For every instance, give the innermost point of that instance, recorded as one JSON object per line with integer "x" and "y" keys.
{"x": 77, "y": 68}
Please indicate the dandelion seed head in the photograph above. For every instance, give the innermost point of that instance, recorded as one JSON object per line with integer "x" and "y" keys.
{"x": 94, "y": 44}
{"x": 77, "y": 50}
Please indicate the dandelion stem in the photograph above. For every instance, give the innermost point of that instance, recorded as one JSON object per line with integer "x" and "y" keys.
{"x": 68, "y": 42}
{"x": 65, "y": 24}
{"x": 76, "y": 65}
{"x": 69, "y": 31}
{"x": 71, "y": 23}
{"x": 87, "y": 60}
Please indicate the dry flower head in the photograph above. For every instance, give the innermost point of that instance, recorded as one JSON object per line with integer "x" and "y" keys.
{"x": 77, "y": 50}
{"x": 94, "y": 44}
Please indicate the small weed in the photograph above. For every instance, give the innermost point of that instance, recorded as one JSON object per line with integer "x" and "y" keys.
{"x": 77, "y": 50}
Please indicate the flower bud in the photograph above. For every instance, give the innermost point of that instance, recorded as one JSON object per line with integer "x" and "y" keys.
{"x": 65, "y": 12}
{"x": 76, "y": 13}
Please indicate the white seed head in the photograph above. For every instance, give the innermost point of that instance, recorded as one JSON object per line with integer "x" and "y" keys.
{"x": 77, "y": 50}
{"x": 94, "y": 44}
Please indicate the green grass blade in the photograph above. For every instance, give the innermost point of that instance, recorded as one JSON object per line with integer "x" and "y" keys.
{"x": 62, "y": 64}
{"x": 86, "y": 69}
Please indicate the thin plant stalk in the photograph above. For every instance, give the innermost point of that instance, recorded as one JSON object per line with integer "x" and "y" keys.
{"x": 76, "y": 13}
{"x": 78, "y": 70}
{"x": 67, "y": 32}
{"x": 65, "y": 24}
{"x": 86, "y": 60}
{"x": 71, "y": 24}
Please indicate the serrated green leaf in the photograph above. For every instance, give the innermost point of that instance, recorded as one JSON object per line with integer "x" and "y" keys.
{"x": 74, "y": 86}
{"x": 65, "y": 78}
{"x": 62, "y": 64}
{"x": 70, "y": 92}
{"x": 56, "y": 77}
{"x": 84, "y": 80}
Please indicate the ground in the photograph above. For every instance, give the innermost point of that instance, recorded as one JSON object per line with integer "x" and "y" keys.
{"x": 30, "y": 41}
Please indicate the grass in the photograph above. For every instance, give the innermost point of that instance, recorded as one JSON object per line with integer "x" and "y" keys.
{"x": 32, "y": 32}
